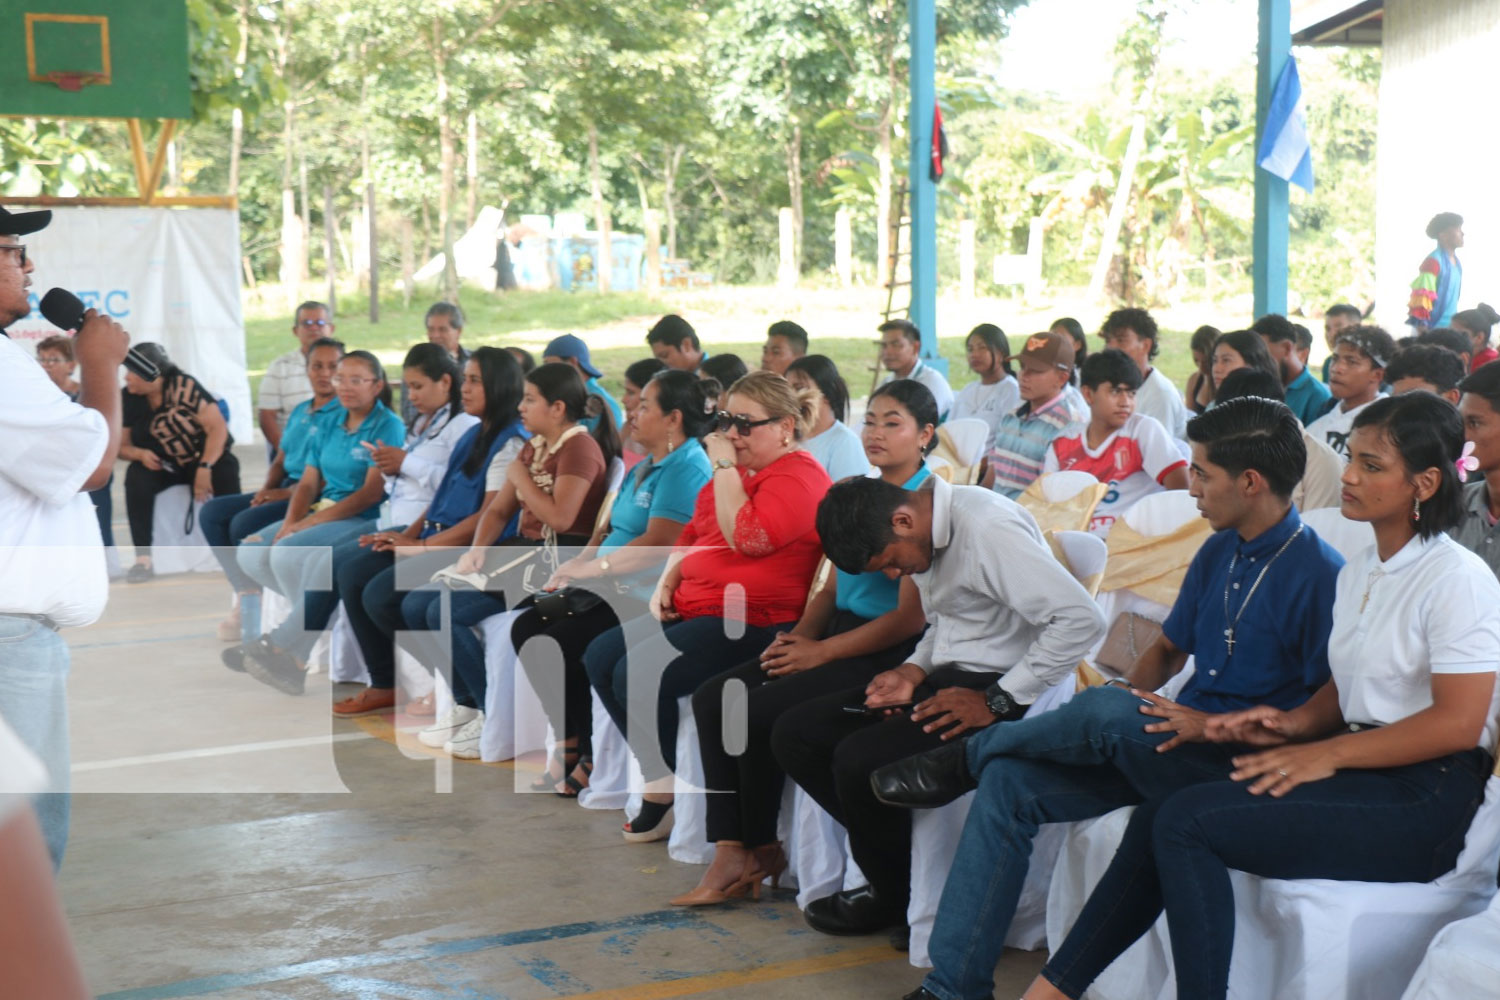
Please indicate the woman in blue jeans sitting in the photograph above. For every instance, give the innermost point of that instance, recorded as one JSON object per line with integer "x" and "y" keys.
{"x": 337, "y": 498}
{"x": 745, "y": 563}
{"x": 556, "y": 484}
{"x": 228, "y": 520}
{"x": 620, "y": 565}
{"x": 1373, "y": 779}
{"x": 364, "y": 571}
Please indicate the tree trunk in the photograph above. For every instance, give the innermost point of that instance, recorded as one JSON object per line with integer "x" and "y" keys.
{"x": 669, "y": 197}
{"x": 426, "y": 231}
{"x": 885, "y": 164}
{"x": 293, "y": 239}
{"x": 303, "y": 193}
{"x": 330, "y": 249}
{"x": 370, "y": 217}
{"x": 449, "y": 158}
{"x": 408, "y": 259}
{"x": 237, "y": 117}
{"x": 794, "y": 190}
{"x": 1111, "y": 237}
{"x": 604, "y": 258}
{"x": 472, "y": 177}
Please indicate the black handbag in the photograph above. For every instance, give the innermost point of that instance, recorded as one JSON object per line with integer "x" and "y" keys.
{"x": 565, "y": 602}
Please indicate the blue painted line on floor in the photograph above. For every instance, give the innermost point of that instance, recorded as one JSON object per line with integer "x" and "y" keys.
{"x": 656, "y": 920}
{"x": 553, "y": 976}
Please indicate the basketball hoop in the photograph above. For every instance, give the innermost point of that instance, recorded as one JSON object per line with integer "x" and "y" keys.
{"x": 73, "y": 81}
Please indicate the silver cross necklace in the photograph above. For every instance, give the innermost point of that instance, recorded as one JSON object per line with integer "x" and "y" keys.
{"x": 1229, "y": 632}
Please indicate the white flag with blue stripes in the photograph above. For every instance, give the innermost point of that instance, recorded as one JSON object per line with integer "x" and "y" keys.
{"x": 1284, "y": 149}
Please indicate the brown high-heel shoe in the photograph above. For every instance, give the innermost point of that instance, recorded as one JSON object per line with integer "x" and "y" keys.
{"x": 767, "y": 861}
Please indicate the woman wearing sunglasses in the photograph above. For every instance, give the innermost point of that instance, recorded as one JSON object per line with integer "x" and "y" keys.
{"x": 855, "y": 627}
{"x": 740, "y": 575}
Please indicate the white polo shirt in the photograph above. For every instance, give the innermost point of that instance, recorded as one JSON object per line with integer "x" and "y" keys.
{"x": 1430, "y": 610}
{"x": 429, "y": 445}
{"x": 989, "y": 403}
{"x": 51, "y": 555}
{"x": 935, "y": 383}
{"x": 1158, "y": 397}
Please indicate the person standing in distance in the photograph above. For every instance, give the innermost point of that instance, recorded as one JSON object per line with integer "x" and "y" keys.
{"x": 52, "y": 452}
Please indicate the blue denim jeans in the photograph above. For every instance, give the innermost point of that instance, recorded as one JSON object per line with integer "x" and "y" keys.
{"x": 34, "y": 702}
{"x": 227, "y": 521}
{"x": 300, "y": 568}
{"x": 1404, "y": 824}
{"x": 641, "y": 668}
{"x": 1084, "y": 759}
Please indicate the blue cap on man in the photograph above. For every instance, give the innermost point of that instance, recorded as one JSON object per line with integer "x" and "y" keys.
{"x": 569, "y": 346}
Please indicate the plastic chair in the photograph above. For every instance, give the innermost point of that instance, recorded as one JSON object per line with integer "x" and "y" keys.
{"x": 1347, "y": 537}
{"x": 1063, "y": 501}
{"x": 1302, "y": 939}
{"x": 172, "y": 550}
{"x": 961, "y": 444}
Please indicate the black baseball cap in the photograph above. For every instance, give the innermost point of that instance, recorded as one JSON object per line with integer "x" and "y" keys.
{"x": 22, "y": 223}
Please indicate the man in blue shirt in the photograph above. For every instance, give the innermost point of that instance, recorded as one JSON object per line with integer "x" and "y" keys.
{"x": 1255, "y": 611}
{"x": 1305, "y": 395}
{"x": 571, "y": 350}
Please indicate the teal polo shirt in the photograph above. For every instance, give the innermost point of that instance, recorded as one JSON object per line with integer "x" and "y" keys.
{"x": 340, "y": 455}
{"x": 1307, "y": 397}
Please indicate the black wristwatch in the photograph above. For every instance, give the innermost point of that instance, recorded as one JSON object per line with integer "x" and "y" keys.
{"x": 1001, "y": 704}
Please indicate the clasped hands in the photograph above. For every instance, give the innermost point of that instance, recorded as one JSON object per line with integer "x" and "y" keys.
{"x": 1276, "y": 770}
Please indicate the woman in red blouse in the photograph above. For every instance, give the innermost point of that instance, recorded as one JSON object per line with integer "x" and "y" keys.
{"x": 741, "y": 574}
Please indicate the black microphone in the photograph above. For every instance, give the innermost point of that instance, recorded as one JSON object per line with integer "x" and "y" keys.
{"x": 64, "y": 309}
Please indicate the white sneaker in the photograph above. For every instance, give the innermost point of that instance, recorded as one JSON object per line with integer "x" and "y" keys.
{"x": 443, "y": 729}
{"x": 464, "y": 744}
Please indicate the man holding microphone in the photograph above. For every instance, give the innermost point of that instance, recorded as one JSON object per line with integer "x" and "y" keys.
{"x": 52, "y": 569}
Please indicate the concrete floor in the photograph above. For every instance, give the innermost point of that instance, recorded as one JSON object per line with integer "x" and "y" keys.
{"x": 233, "y": 842}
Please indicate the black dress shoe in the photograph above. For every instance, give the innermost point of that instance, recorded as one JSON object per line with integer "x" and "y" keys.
{"x": 922, "y": 993}
{"x": 901, "y": 937}
{"x": 233, "y": 657}
{"x": 928, "y": 780}
{"x": 853, "y": 911}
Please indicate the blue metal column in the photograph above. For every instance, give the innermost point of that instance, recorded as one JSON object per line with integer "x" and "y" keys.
{"x": 1271, "y": 225}
{"x": 923, "y": 14}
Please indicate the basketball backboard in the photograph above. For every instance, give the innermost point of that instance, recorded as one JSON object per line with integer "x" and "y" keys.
{"x": 94, "y": 59}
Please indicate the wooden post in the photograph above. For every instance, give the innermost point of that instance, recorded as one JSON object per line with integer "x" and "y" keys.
{"x": 966, "y": 259}
{"x": 843, "y": 246}
{"x": 330, "y": 249}
{"x": 786, "y": 272}
{"x": 652, "y": 225}
{"x": 408, "y": 259}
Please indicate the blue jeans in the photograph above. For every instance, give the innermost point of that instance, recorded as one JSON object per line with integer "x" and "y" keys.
{"x": 661, "y": 664}
{"x": 34, "y": 702}
{"x": 229, "y": 520}
{"x": 300, "y": 568}
{"x": 1084, "y": 759}
{"x": 1404, "y": 824}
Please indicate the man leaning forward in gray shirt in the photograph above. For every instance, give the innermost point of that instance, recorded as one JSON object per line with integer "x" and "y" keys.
{"x": 1005, "y": 621}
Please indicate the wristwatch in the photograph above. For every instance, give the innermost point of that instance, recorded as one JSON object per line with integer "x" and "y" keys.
{"x": 1001, "y": 704}
{"x": 723, "y": 463}
{"x": 204, "y": 465}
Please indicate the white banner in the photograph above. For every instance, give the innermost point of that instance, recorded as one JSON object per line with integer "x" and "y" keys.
{"x": 168, "y": 275}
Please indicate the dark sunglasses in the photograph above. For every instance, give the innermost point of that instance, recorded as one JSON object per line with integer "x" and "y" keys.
{"x": 16, "y": 246}
{"x": 312, "y": 322}
{"x": 742, "y": 424}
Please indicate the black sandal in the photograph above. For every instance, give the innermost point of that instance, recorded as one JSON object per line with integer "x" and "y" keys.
{"x": 567, "y": 759}
{"x": 574, "y": 785}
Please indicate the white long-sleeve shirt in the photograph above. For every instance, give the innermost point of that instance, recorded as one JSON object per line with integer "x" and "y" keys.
{"x": 996, "y": 598}
{"x": 428, "y": 448}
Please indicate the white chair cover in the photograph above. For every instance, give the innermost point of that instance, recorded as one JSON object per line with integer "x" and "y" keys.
{"x": 171, "y": 550}
{"x": 967, "y": 436}
{"x": 820, "y": 859}
{"x": 1084, "y": 552}
{"x": 1157, "y": 514}
{"x": 1059, "y": 487}
{"x": 1346, "y": 536}
{"x": 514, "y": 722}
{"x": 1305, "y": 939}
{"x": 1462, "y": 961}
